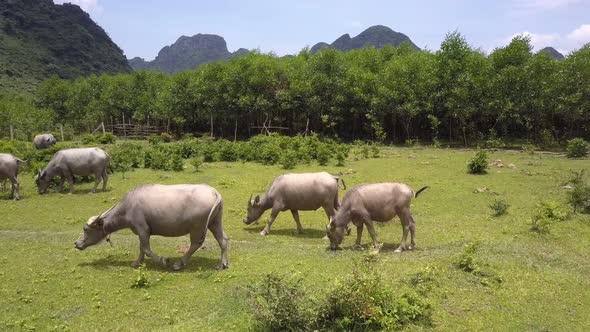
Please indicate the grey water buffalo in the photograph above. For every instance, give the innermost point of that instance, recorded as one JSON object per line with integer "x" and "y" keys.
{"x": 9, "y": 165}
{"x": 295, "y": 192}
{"x": 166, "y": 210}
{"x": 44, "y": 141}
{"x": 69, "y": 162}
{"x": 381, "y": 202}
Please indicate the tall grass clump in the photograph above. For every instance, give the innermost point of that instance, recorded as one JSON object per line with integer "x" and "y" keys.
{"x": 546, "y": 214}
{"x": 479, "y": 163}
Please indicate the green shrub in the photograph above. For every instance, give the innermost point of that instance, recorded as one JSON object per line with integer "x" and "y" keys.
{"x": 197, "y": 162}
{"x": 177, "y": 163}
{"x": 547, "y": 138}
{"x": 166, "y": 138}
{"x": 141, "y": 279}
{"x": 106, "y": 138}
{"x": 499, "y": 207}
{"x": 529, "y": 148}
{"x": 375, "y": 151}
{"x": 365, "y": 303}
{"x": 155, "y": 139}
{"x": 88, "y": 139}
{"x": 279, "y": 303}
{"x": 209, "y": 153}
{"x": 228, "y": 151}
{"x": 340, "y": 158}
{"x": 579, "y": 196}
{"x": 270, "y": 154}
{"x": 288, "y": 159}
{"x": 479, "y": 163}
{"x": 323, "y": 155}
{"x": 467, "y": 262}
{"x": 125, "y": 156}
{"x": 577, "y": 148}
{"x": 547, "y": 213}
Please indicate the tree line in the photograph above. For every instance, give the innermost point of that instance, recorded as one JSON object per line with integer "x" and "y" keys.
{"x": 392, "y": 94}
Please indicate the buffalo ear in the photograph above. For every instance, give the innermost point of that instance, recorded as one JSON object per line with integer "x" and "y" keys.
{"x": 99, "y": 222}
{"x": 257, "y": 199}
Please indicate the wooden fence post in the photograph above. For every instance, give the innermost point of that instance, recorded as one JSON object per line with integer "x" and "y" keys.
{"x": 102, "y": 125}
{"x": 124, "y": 131}
{"x": 61, "y": 131}
{"x": 11, "y": 133}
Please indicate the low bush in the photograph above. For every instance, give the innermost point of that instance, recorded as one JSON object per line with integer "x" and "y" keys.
{"x": 166, "y": 138}
{"x": 155, "y": 139}
{"x": 88, "y": 139}
{"x": 467, "y": 262}
{"x": 479, "y": 163}
{"x": 280, "y": 303}
{"x": 106, "y": 138}
{"x": 579, "y": 196}
{"x": 289, "y": 159}
{"x": 499, "y": 207}
{"x": 323, "y": 155}
{"x": 546, "y": 214}
{"x": 577, "y": 148}
{"x": 197, "y": 162}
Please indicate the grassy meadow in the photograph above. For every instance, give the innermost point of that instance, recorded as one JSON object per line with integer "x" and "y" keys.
{"x": 49, "y": 285}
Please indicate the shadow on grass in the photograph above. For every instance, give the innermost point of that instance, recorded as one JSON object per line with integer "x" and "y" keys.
{"x": 307, "y": 233}
{"x": 196, "y": 263}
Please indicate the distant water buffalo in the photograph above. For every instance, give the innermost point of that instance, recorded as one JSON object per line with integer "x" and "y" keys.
{"x": 379, "y": 202}
{"x": 44, "y": 141}
{"x": 9, "y": 165}
{"x": 295, "y": 192}
{"x": 69, "y": 162}
{"x": 167, "y": 210}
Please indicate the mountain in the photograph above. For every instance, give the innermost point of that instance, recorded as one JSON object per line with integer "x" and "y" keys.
{"x": 552, "y": 52}
{"x": 377, "y": 36}
{"x": 39, "y": 39}
{"x": 188, "y": 53}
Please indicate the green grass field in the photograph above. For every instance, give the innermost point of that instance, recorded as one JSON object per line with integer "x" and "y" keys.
{"x": 49, "y": 285}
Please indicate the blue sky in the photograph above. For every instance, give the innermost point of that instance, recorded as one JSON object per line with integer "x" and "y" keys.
{"x": 143, "y": 27}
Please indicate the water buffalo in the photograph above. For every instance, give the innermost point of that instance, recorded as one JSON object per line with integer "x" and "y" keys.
{"x": 9, "y": 171}
{"x": 377, "y": 201}
{"x": 44, "y": 141}
{"x": 167, "y": 210}
{"x": 69, "y": 162}
{"x": 305, "y": 192}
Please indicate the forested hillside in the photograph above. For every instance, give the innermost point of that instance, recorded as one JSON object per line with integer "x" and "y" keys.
{"x": 39, "y": 39}
{"x": 390, "y": 94}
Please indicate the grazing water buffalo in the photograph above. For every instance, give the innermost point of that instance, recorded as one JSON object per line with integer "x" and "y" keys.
{"x": 69, "y": 162}
{"x": 9, "y": 171}
{"x": 167, "y": 210}
{"x": 377, "y": 201}
{"x": 44, "y": 141}
{"x": 305, "y": 192}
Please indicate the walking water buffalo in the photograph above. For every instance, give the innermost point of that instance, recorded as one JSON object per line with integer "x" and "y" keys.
{"x": 295, "y": 192}
{"x": 9, "y": 165}
{"x": 44, "y": 141}
{"x": 379, "y": 202}
{"x": 69, "y": 162}
{"x": 167, "y": 210}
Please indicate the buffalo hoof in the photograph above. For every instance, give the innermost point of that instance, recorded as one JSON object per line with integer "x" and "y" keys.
{"x": 222, "y": 266}
{"x": 264, "y": 232}
{"x": 135, "y": 265}
{"x": 164, "y": 261}
{"x": 177, "y": 266}
{"x": 357, "y": 247}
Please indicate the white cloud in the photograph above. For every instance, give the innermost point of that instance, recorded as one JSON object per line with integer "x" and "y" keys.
{"x": 581, "y": 35}
{"x": 88, "y": 6}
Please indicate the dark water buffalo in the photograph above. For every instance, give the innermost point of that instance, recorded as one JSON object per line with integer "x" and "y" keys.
{"x": 44, "y": 141}
{"x": 69, "y": 162}
{"x": 167, "y": 210}
{"x": 381, "y": 202}
{"x": 9, "y": 165}
{"x": 295, "y": 192}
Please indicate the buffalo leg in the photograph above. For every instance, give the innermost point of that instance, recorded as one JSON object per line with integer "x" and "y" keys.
{"x": 97, "y": 178}
{"x": 359, "y": 234}
{"x": 105, "y": 180}
{"x": 273, "y": 216}
{"x": 144, "y": 244}
{"x": 15, "y": 189}
{"x": 371, "y": 229}
{"x": 70, "y": 179}
{"x": 406, "y": 219}
{"x": 139, "y": 259}
{"x": 413, "y": 233}
{"x": 62, "y": 179}
{"x": 296, "y": 217}
{"x": 197, "y": 239}
{"x": 217, "y": 229}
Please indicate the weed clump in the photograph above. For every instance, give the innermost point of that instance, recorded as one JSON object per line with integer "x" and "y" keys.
{"x": 499, "y": 207}
{"x": 141, "y": 278}
{"x": 478, "y": 164}
{"x": 579, "y": 196}
{"x": 469, "y": 263}
{"x": 577, "y": 148}
{"x": 546, "y": 214}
